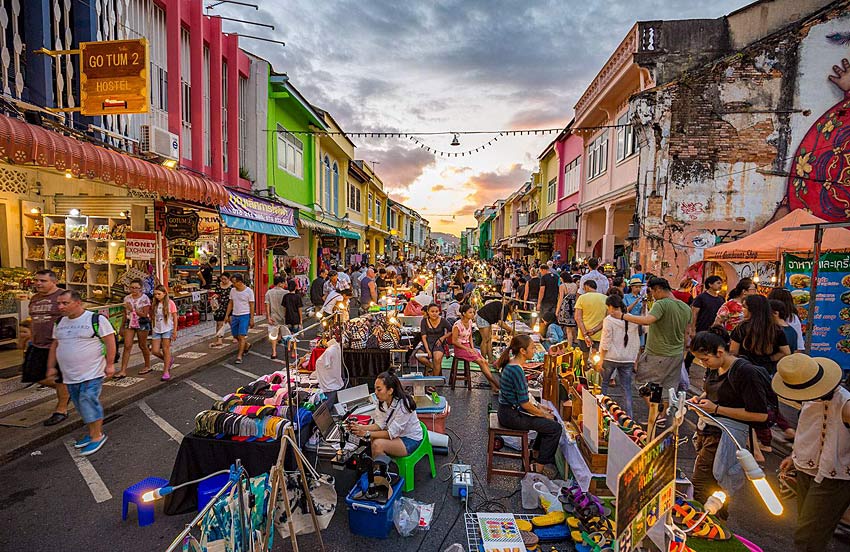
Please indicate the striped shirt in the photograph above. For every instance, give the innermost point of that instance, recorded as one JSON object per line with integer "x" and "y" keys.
{"x": 513, "y": 388}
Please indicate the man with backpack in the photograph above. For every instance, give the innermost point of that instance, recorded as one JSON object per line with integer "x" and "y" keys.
{"x": 84, "y": 345}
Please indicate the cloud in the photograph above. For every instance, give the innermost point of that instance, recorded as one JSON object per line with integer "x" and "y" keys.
{"x": 438, "y": 188}
{"x": 398, "y": 166}
{"x": 545, "y": 117}
{"x": 487, "y": 187}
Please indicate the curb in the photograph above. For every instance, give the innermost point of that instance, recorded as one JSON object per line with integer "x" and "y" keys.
{"x": 49, "y": 434}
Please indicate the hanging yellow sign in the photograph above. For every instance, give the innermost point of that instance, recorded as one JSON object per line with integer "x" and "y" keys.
{"x": 114, "y": 77}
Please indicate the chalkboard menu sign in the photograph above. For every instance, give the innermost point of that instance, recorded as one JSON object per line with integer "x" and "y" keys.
{"x": 180, "y": 225}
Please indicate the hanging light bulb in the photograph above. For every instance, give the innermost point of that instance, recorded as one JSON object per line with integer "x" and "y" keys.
{"x": 455, "y": 141}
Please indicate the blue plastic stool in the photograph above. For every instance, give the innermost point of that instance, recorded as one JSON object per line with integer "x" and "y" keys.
{"x": 134, "y": 494}
{"x": 209, "y": 487}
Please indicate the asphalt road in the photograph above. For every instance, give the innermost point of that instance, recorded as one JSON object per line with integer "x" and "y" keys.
{"x": 46, "y": 504}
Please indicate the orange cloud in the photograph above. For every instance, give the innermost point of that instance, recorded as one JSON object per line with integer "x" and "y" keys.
{"x": 438, "y": 188}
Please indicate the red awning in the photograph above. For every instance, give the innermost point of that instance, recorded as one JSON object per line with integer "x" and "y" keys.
{"x": 24, "y": 143}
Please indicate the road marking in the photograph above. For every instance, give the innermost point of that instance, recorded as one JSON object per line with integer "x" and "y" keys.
{"x": 261, "y": 355}
{"x": 192, "y": 355}
{"x": 202, "y": 389}
{"x": 96, "y": 485}
{"x": 160, "y": 421}
{"x": 240, "y": 371}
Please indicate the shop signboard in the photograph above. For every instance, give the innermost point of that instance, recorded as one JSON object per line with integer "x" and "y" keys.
{"x": 646, "y": 489}
{"x": 114, "y": 77}
{"x": 252, "y": 208}
{"x": 181, "y": 225}
{"x": 831, "y": 331}
{"x": 140, "y": 246}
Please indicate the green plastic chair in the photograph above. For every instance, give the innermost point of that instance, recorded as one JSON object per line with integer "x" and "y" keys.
{"x": 406, "y": 464}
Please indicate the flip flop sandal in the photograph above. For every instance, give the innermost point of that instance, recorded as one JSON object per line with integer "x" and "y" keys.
{"x": 523, "y": 525}
{"x": 119, "y": 377}
{"x": 711, "y": 529}
{"x": 148, "y": 371}
{"x": 548, "y": 520}
{"x": 529, "y": 539}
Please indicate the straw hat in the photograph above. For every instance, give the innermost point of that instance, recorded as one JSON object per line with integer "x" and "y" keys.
{"x": 635, "y": 282}
{"x": 800, "y": 377}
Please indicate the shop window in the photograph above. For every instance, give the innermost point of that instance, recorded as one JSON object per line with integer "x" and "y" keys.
{"x": 290, "y": 152}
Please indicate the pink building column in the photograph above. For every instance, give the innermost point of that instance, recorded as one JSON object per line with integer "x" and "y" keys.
{"x": 215, "y": 98}
{"x": 196, "y": 42}
{"x": 232, "y": 46}
{"x": 173, "y": 21}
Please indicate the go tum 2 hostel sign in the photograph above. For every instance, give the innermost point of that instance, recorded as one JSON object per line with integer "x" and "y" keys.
{"x": 252, "y": 208}
{"x": 114, "y": 77}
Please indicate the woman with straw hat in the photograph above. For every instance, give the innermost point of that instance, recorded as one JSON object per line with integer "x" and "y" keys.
{"x": 821, "y": 453}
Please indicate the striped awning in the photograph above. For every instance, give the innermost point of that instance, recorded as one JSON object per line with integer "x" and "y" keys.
{"x": 316, "y": 226}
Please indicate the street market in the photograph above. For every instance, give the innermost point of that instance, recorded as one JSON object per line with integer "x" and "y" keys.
{"x": 326, "y": 287}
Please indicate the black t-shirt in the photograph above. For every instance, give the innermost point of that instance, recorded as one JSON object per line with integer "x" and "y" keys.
{"x": 708, "y": 306}
{"x": 317, "y": 291}
{"x": 292, "y": 302}
{"x": 533, "y": 289}
{"x": 207, "y": 272}
{"x": 763, "y": 360}
{"x": 549, "y": 283}
{"x": 744, "y": 385}
{"x": 493, "y": 311}
{"x": 430, "y": 334}
{"x": 380, "y": 282}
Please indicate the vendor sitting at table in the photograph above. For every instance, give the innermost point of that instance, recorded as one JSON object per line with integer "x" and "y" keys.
{"x": 516, "y": 411}
{"x": 494, "y": 312}
{"x": 396, "y": 431}
{"x": 435, "y": 332}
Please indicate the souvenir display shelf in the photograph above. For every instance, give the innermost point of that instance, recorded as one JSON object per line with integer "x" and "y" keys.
{"x": 86, "y": 253}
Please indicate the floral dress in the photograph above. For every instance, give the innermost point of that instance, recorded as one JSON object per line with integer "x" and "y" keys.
{"x": 731, "y": 314}
{"x": 567, "y": 312}
{"x": 223, "y": 296}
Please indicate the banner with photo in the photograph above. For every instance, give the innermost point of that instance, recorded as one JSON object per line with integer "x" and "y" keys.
{"x": 831, "y": 331}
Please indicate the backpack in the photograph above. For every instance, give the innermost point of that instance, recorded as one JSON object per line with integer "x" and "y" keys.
{"x": 95, "y": 328}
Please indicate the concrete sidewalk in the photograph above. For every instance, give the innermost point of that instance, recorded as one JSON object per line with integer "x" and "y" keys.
{"x": 24, "y": 430}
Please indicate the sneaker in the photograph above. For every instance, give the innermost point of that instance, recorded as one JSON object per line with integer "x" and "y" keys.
{"x": 81, "y": 443}
{"x": 92, "y": 447}
{"x": 237, "y": 361}
{"x": 55, "y": 418}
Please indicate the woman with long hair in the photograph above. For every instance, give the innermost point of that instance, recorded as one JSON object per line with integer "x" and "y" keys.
{"x": 435, "y": 331}
{"x": 517, "y": 411}
{"x": 396, "y": 431}
{"x": 735, "y": 389}
{"x": 164, "y": 314}
{"x": 732, "y": 312}
{"x": 782, "y": 294}
{"x": 464, "y": 348}
{"x": 618, "y": 350}
{"x": 137, "y": 322}
{"x": 761, "y": 340}
{"x": 567, "y": 294}
{"x": 221, "y": 292}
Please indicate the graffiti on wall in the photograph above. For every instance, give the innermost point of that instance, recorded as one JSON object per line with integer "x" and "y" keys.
{"x": 691, "y": 210}
{"x": 697, "y": 239}
{"x": 764, "y": 272}
{"x": 819, "y": 179}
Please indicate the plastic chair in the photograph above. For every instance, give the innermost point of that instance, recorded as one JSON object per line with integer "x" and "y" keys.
{"x": 133, "y": 494}
{"x": 209, "y": 487}
{"x": 406, "y": 464}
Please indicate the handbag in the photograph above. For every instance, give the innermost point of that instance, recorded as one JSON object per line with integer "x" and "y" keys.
{"x": 322, "y": 493}
{"x": 221, "y": 529}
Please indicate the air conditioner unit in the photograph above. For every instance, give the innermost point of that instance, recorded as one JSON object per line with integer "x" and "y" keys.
{"x": 159, "y": 141}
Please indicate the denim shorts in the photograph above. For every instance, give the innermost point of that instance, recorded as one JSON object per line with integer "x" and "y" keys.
{"x": 86, "y": 399}
{"x": 239, "y": 324}
{"x": 481, "y": 323}
{"x": 410, "y": 444}
{"x": 163, "y": 335}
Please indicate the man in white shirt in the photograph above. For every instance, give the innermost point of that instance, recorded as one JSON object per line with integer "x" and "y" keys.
{"x": 343, "y": 279}
{"x": 600, "y": 279}
{"x": 85, "y": 348}
{"x": 337, "y": 301}
{"x": 240, "y": 313}
{"x": 276, "y": 313}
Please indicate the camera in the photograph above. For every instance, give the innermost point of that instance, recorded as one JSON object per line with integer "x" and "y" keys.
{"x": 652, "y": 390}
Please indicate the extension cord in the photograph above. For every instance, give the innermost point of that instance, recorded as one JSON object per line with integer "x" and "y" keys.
{"x": 461, "y": 480}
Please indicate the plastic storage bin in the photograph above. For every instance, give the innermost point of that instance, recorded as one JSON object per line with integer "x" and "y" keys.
{"x": 370, "y": 519}
{"x": 434, "y": 421}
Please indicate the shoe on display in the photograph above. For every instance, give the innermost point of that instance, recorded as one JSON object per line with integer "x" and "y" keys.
{"x": 93, "y": 447}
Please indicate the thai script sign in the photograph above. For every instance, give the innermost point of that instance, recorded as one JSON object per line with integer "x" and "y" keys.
{"x": 252, "y": 208}
{"x": 114, "y": 77}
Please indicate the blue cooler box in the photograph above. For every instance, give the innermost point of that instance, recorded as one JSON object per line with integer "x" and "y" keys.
{"x": 370, "y": 519}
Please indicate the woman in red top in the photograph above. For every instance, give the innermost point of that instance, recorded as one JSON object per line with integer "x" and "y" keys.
{"x": 732, "y": 312}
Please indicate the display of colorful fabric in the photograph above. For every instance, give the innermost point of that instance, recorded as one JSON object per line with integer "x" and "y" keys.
{"x": 215, "y": 423}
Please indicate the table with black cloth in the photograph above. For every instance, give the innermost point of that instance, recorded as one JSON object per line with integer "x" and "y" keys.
{"x": 201, "y": 456}
{"x": 364, "y": 365}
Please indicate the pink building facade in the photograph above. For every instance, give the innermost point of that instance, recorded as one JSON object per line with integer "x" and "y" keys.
{"x": 569, "y": 148}
{"x": 207, "y": 72}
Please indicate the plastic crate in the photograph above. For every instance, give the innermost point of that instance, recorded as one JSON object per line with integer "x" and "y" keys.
{"x": 435, "y": 421}
{"x": 370, "y": 519}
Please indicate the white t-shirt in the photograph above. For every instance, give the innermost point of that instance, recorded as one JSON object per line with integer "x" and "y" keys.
{"x": 241, "y": 300}
{"x": 333, "y": 298}
{"x": 343, "y": 281}
{"x": 329, "y": 368}
{"x": 159, "y": 323}
{"x": 398, "y": 421}
{"x": 79, "y": 354}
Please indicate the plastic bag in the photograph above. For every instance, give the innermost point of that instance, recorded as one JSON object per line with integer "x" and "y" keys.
{"x": 531, "y": 496}
{"x": 406, "y": 516}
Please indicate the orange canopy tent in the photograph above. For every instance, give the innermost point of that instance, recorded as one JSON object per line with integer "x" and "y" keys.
{"x": 769, "y": 243}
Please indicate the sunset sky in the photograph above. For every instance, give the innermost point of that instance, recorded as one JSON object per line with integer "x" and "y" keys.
{"x": 422, "y": 66}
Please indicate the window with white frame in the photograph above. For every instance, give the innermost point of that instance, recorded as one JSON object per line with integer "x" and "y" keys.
{"x": 597, "y": 156}
{"x": 370, "y": 202}
{"x": 572, "y": 173}
{"x": 243, "y": 122}
{"x": 326, "y": 188}
{"x": 551, "y": 189}
{"x": 626, "y": 139}
{"x": 290, "y": 152}
{"x": 336, "y": 188}
{"x": 186, "y": 95}
{"x": 378, "y": 211}
{"x": 354, "y": 197}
